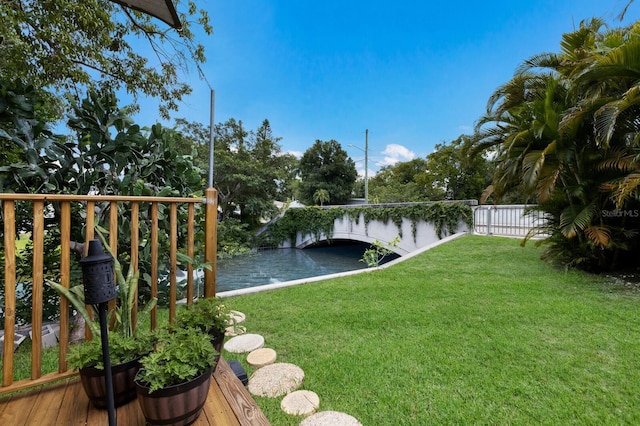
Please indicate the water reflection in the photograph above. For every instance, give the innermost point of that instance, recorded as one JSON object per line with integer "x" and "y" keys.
{"x": 273, "y": 266}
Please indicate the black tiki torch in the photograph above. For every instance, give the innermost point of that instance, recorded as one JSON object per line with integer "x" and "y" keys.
{"x": 99, "y": 289}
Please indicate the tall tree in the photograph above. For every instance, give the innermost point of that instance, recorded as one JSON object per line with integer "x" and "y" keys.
{"x": 326, "y": 166}
{"x": 70, "y": 46}
{"x": 400, "y": 182}
{"x": 451, "y": 174}
{"x": 250, "y": 170}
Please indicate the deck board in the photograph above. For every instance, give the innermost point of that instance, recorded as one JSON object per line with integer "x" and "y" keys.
{"x": 65, "y": 403}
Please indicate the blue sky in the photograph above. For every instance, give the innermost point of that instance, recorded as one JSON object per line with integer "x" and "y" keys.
{"x": 414, "y": 73}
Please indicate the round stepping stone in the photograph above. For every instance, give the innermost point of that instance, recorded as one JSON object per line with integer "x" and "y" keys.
{"x": 244, "y": 343}
{"x": 330, "y": 418}
{"x": 300, "y": 403}
{"x": 261, "y": 357}
{"x": 235, "y": 330}
{"x": 275, "y": 380}
{"x": 237, "y": 317}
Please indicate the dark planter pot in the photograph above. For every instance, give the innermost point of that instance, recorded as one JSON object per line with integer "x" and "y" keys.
{"x": 124, "y": 389}
{"x": 217, "y": 340}
{"x": 177, "y": 405}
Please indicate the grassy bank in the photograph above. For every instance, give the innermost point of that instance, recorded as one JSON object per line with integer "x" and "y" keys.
{"x": 478, "y": 330}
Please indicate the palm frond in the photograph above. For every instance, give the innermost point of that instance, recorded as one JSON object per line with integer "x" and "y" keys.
{"x": 547, "y": 185}
{"x": 599, "y": 235}
{"x": 606, "y": 117}
{"x": 531, "y": 165}
{"x": 628, "y": 188}
{"x": 576, "y": 218}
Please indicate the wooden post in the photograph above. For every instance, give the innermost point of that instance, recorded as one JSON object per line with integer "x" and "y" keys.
{"x": 113, "y": 244}
{"x": 211, "y": 238}
{"x": 65, "y": 281}
{"x": 173, "y": 260}
{"x": 9, "y": 289}
{"x": 38, "y": 281}
{"x": 135, "y": 252}
{"x": 90, "y": 223}
{"x": 154, "y": 262}
{"x": 190, "y": 252}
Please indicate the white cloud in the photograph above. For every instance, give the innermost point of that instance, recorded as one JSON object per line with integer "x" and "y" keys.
{"x": 297, "y": 154}
{"x": 395, "y": 153}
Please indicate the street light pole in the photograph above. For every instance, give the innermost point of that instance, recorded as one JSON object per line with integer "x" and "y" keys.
{"x": 211, "y": 137}
{"x": 366, "y": 166}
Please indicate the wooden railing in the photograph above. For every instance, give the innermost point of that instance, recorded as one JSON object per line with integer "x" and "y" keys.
{"x": 64, "y": 203}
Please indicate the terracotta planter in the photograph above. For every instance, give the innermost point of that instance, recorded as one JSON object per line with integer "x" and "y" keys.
{"x": 124, "y": 389}
{"x": 177, "y": 405}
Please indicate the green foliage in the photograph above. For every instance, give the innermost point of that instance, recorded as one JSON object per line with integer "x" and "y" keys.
{"x": 317, "y": 221}
{"x": 208, "y": 314}
{"x": 113, "y": 155}
{"x": 180, "y": 355}
{"x": 109, "y": 155}
{"x": 233, "y": 238}
{"x": 400, "y": 183}
{"x": 378, "y": 251}
{"x": 448, "y": 173}
{"x": 308, "y": 220}
{"x": 565, "y": 133}
{"x": 127, "y": 288}
{"x": 121, "y": 349}
{"x": 26, "y": 139}
{"x": 70, "y": 47}
{"x": 326, "y": 166}
{"x": 75, "y": 295}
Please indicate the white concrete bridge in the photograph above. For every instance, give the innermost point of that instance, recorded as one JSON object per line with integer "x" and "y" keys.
{"x": 345, "y": 228}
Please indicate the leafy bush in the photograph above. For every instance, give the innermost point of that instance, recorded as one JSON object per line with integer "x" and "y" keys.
{"x": 121, "y": 349}
{"x": 180, "y": 356}
{"x": 377, "y": 252}
{"x": 206, "y": 314}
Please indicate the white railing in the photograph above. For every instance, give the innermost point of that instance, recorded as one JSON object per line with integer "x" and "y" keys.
{"x": 508, "y": 220}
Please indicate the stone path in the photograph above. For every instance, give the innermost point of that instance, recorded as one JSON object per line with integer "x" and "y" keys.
{"x": 261, "y": 357}
{"x": 276, "y": 380}
{"x": 273, "y": 379}
{"x": 244, "y": 343}
{"x": 300, "y": 403}
{"x": 330, "y": 418}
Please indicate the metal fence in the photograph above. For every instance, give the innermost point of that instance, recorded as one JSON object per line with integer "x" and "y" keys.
{"x": 507, "y": 220}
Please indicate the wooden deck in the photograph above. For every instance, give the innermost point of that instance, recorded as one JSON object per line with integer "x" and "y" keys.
{"x": 65, "y": 403}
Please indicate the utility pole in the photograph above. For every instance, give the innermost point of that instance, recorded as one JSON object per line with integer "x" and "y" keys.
{"x": 366, "y": 166}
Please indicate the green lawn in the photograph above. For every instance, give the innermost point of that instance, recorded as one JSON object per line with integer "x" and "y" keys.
{"x": 476, "y": 331}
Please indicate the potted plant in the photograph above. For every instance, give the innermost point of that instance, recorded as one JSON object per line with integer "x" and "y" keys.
{"x": 124, "y": 353}
{"x": 173, "y": 382}
{"x": 208, "y": 314}
{"x": 126, "y": 347}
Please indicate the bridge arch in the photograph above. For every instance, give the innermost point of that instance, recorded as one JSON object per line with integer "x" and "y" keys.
{"x": 312, "y": 241}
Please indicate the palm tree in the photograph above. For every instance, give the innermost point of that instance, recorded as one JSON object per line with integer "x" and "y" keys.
{"x": 567, "y": 129}
{"x": 321, "y": 196}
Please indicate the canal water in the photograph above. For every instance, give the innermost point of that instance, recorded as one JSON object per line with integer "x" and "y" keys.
{"x": 278, "y": 265}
